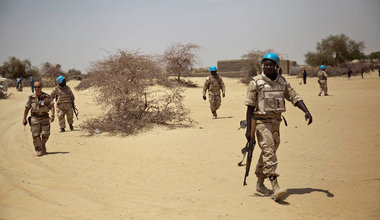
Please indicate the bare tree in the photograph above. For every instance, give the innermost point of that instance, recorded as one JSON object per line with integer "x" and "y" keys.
{"x": 254, "y": 58}
{"x": 180, "y": 59}
{"x": 51, "y": 71}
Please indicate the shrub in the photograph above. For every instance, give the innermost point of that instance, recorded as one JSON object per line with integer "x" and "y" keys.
{"x": 126, "y": 88}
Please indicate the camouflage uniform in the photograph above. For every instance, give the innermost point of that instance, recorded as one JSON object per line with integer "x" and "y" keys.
{"x": 322, "y": 75}
{"x": 64, "y": 104}
{"x": 40, "y": 121}
{"x": 268, "y": 99}
{"x": 214, "y": 84}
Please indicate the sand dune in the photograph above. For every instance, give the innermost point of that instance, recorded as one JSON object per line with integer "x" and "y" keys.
{"x": 331, "y": 168}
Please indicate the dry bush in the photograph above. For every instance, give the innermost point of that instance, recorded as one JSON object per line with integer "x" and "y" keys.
{"x": 48, "y": 82}
{"x": 183, "y": 82}
{"x": 12, "y": 83}
{"x": 125, "y": 88}
{"x": 85, "y": 83}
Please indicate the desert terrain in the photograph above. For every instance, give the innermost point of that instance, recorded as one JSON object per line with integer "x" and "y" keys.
{"x": 331, "y": 168}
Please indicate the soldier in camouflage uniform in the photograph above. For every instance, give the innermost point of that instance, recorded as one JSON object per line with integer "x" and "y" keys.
{"x": 322, "y": 80}
{"x": 39, "y": 104}
{"x": 65, "y": 98}
{"x": 214, "y": 84}
{"x": 266, "y": 94}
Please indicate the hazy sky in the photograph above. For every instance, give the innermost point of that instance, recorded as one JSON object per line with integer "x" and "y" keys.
{"x": 75, "y": 33}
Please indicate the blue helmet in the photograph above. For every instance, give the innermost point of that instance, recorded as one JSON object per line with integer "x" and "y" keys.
{"x": 60, "y": 79}
{"x": 322, "y": 67}
{"x": 213, "y": 68}
{"x": 271, "y": 56}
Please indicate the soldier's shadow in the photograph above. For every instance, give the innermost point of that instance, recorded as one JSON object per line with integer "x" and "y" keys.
{"x": 57, "y": 152}
{"x": 299, "y": 191}
{"x": 224, "y": 117}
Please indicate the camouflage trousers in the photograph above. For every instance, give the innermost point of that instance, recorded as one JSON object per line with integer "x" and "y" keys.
{"x": 268, "y": 138}
{"x": 40, "y": 129}
{"x": 62, "y": 110}
{"x": 323, "y": 87}
{"x": 215, "y": 101}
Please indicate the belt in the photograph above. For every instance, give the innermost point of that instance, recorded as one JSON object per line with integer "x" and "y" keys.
{"x": 40, "y": 116}
{"x": 264, "y": 119}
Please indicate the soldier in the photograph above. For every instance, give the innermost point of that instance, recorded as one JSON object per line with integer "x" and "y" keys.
{"x": 39, "y": 103}
{"x": 322, "y": 75}
{"x": 31, "y": 83}
{"x": 214, "y": 84}
{"x": 349, "y": 73}
{"x": 304, "y": 75}
{"x": 19, "y": 84}
{"x": 266, "y": 94}
{"x": 362, "y": 72}
{"x": 65, "y": 99}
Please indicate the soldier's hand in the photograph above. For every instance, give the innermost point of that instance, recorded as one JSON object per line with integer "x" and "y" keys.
{"x": 308, "y": 117}
{"x": 204, "y": 97}
{"x": 224, "y": 95}
{"x": 24, "y": 121}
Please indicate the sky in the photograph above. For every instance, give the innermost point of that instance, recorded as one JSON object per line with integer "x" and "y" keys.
{"x": 76, "y": 33}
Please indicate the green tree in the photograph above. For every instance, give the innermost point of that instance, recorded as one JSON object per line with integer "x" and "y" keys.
{"x": 374, "y": 55}
{"x": 180, "y": 59}
{"x": 14, "y": 68}
{"x": 335, "y": 49}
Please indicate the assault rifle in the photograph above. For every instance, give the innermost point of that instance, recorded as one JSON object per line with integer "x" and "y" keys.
{"x": 248, "y": 149}
{"x": 75, "y": 110}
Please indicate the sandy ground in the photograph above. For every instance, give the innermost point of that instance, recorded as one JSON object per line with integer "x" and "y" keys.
{"x": 331, "y": 168}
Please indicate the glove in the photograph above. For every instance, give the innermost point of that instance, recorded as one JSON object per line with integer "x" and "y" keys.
{"x": 308, "y": 116}
{"x": 204, "y": 97}
{"x": 224, "y": 95}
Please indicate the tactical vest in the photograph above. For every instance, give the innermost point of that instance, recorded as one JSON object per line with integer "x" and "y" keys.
{"x": 214, "y": 84}
{"x": 270, "y": 96}
{"x": 321, "y": 75}
{"x": 63, "y": 95}
{"x": 40, "y": 106}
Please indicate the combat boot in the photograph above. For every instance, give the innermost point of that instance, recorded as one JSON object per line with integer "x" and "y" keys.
{"x": 43, "y": 149}
{"x": 261, "y": 188}
{"x": 278, "y": 193}
{"x": 71, "y": 127}
{"x": 214, "y": 114}
{"x": 39, "y": 152}
{"x": 62, "y": 130}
